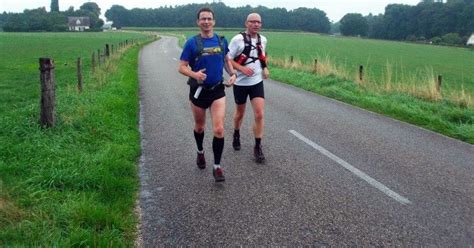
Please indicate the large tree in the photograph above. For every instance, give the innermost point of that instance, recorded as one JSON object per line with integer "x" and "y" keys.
{"x": 354, "y": 25}
{"x": 119, "y": 15}
{"x": 398, "y": 21}
{"x": 91, "y": 7}
{"x": 91, "y": 10}
{"x": 54, "y": 6}
{"x": 312, "y": 20}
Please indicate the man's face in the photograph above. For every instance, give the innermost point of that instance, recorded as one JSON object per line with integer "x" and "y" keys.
{"x": 253, "y": 24}
{"x": 206, "y": 21}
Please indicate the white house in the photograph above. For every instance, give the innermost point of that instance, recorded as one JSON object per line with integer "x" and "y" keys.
{"x": 470, "y": 41}
{"x": 78, "y": 23}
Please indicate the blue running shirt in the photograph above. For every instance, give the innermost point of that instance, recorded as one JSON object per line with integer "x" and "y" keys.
{"x": 212, "y": 58}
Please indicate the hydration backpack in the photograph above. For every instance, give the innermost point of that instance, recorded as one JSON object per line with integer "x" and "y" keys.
{"x": 205, "y": 51}
{"x": 244, "y": 58}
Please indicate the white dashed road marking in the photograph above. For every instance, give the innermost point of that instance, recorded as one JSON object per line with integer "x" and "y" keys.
{"x": 354, "y": 170}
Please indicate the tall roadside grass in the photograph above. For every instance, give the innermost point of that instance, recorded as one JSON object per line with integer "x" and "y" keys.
{"x": 421, "y": 84}
{"x": 441, "y": 116}
{"x": 75, "y": 184}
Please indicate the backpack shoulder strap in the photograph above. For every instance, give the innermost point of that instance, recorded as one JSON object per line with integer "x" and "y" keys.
{"x": 199, "y": 45}
{"x": 261, "y": 55}
{"x": 221, "y": 42}
{"x": 245, "y": 36}
{"x": 247, "y": 44}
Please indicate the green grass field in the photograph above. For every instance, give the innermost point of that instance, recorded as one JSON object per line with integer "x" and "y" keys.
{"x": 454, "y": 64}
{"x": 75, "y": 184}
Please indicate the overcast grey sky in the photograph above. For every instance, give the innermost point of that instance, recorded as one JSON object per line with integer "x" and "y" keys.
{"x": 335, "y": 9}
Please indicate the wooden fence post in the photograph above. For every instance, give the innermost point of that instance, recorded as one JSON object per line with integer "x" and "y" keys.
{"x": 361, "y": 72}
{"x": 48, "y": 93}
{"x": 316, "y": 65}
{"x": 98, "y": 56}
{"x": 291, "y": 59}
{"x": 79, "y": 74}
{"x": 107, "y": 50}
{"x": 93, "y": 62}
{"x": 438, "y": 83}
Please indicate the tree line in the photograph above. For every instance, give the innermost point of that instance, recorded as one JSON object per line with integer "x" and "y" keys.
{"x": 429, "y": 21}
{"x": 40, "y": 20}
{"x": 303, "y": 19}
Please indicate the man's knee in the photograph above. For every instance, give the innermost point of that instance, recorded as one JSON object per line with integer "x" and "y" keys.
{"x": 199, "y": 128}
{"x": 219, "y": 131}
{"x": 238, "y": 115}
{"x": 259, "y": 116}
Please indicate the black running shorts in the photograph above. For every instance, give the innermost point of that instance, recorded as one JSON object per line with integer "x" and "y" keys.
{"x": 207, "y": 96}
{"x": 241, "y": 92}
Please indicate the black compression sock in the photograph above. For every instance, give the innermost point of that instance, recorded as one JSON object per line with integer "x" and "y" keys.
{"x": 199, "y": 137}
{"x": 217, "y": 148}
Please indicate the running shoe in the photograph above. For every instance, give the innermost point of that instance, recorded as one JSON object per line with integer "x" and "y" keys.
{"x": 201, "y": 160}
{"x": 218, "y": 174}
{"x": 236, "y": 143}
{"x": 258, "y": 154}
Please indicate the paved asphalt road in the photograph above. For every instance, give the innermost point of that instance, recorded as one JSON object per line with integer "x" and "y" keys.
{"x": 335, "y": 175}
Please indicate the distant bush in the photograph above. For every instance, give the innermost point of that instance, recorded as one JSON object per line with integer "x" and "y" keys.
{"x": 436, "y": 40}
{"x": 412, "y": 38}
{"x": 452, "y": 39}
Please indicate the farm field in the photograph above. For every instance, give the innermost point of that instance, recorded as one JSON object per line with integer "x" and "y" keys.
{"x": 405, "y": 59}
{"x": 74, "y": 184}
{"x": 19, "y": 74}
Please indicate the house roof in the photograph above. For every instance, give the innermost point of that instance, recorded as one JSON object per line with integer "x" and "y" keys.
{"x": 470, "y": 41}
{"x": 78, "y": 21}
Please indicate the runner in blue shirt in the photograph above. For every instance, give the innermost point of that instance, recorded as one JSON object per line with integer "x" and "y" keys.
{"x": 203, "y": 59}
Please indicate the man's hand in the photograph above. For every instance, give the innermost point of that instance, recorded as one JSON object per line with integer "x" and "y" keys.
{"x": 231, "y": 80}
{"x": 266, "y": 73}
{"x": 247, "y": 71}
{"x": 200, "y": 76}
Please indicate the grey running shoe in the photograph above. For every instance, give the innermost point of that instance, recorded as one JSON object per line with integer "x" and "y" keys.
{"x": 218, "y": 174}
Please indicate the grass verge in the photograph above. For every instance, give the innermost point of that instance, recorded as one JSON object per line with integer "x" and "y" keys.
{"x": 75, "y": 184}
{"x": 442, "y": 116}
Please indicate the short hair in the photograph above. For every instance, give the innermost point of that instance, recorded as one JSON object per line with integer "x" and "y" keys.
{"x": 253, "y": 14}
{"x": 205, "y": 9}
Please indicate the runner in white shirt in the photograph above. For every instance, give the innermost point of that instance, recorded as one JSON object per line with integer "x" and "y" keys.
{"x": 248, "y": 51}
